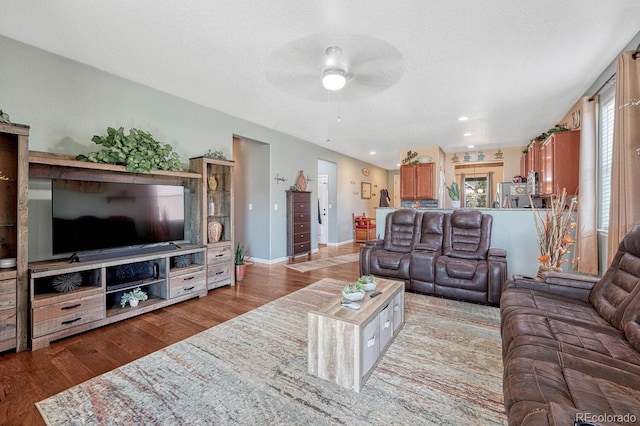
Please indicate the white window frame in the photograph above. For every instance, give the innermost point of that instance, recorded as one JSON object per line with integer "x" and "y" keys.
{"x": 606, "y": 115}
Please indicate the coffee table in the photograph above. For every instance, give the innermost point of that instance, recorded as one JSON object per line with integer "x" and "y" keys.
{"x": 345, "y": 345}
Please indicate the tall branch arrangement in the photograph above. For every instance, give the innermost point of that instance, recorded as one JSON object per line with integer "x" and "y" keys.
{"x": 555, "y": 228}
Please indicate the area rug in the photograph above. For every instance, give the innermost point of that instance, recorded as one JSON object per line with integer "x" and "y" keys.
{"x": 444, "y": 368}
{"x": 323, "y": 263}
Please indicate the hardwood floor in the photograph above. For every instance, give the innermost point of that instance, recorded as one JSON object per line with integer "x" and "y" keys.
{"x": 28, "y": 377}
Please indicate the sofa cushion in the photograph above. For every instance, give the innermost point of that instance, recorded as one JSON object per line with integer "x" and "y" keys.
{"x": 402, "y": 230}
{"x": 390, "y": 264}
{"x": 467, "y": 234}
{"x": 513, "y": 299}
{"x": 611, "y": 295}
{"x": 432, "y": 230}
{"x": 538, "y": 375}
{"x": 581, "y": 340}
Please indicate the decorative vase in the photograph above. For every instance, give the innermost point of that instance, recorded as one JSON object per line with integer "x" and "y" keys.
{"x": 301, "y": 181}
{"x": 240, "y": 271}
{"x": 543, "y": 269}
{"x": 455, "y": 204}
{"x": 213, "y": 183}
{"x": 214, "y": 231}
{"x": 133, "y": 303}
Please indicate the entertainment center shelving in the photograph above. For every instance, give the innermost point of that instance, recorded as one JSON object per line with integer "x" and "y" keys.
{"x": 97, "y": 301}
{"x": 14, "y": 302}
{"x": 169, "y": 274}
{"x": 213, "y": 196}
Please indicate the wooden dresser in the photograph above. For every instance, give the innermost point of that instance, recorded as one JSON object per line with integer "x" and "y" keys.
{"x": 298, "y": 223}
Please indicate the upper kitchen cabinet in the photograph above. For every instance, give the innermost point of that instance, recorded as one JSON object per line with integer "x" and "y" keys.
{"x": 417, "y": 181}
{"x": 559, "y": 163}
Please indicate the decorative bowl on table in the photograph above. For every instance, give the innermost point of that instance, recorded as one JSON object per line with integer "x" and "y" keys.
{"x": 369, "y": 286}
{"x": 354, "y": 296}
{"x": 366, "y": 283}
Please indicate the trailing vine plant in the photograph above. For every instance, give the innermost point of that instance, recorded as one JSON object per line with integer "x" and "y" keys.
{"x": 138, "y": 151}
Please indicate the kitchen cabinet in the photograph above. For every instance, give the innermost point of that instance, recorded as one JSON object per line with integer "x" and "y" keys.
{"x": 559, "y": 163}
{"x": 530, "y": 160}
{"x": 417, "y": 181}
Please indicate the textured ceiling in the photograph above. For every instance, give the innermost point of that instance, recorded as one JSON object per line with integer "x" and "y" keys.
{"x": 513, "y": 67}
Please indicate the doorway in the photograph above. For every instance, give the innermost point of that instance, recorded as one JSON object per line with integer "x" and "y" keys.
{"x": 478, "y": 183}
{"x": 323, "y": 208}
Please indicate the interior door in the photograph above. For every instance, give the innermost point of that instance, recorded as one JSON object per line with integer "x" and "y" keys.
{"x": 322, "y": 208}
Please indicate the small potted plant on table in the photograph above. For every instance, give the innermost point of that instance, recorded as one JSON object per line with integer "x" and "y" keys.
{"x": 133, "y": 297}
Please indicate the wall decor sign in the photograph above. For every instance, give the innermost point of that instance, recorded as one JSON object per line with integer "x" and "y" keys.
{"x": 365, "y": 190}
{"x": 410, "y": 157}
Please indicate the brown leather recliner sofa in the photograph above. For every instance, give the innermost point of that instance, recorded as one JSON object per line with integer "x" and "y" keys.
{"x": 571, "y": 345}
{"x": 437, "y": 253}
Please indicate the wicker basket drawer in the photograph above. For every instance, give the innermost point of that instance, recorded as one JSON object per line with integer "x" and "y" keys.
{"x": 187, "y": 283}
{"x": 60, "y": 316}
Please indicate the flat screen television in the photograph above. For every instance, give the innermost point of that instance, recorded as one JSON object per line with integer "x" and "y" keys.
{"x": 94, "y": 216}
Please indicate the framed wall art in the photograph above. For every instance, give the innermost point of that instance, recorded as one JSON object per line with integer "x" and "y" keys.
{"x": 365, "y": 190}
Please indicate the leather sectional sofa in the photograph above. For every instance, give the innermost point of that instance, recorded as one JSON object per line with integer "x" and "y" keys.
{"x": 437, "y": 253}
{"x": 571, "y": 345}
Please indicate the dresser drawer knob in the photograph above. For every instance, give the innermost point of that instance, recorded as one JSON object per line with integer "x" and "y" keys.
{"x": 188, "y": 278}
{"x": 189, "y": 288}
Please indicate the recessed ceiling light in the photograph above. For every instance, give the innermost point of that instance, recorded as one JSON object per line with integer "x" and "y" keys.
{"x": 471, "y": 146}
{"x": 372, "y": 153}
{"x": 398, "y": 165}
{"x": 463, "y": 118}
{"x": 467, "y": 134}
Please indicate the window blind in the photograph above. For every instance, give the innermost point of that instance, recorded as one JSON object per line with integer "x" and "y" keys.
{"x": 605, "y": 147}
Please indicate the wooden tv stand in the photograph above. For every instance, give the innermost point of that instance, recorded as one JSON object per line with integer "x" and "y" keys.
{"x": 96, "y": 302}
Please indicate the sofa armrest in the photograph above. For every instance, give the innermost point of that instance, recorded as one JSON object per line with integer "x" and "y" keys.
{"x": 497, "y": 253}
{"x": 560, "y": 283}
{"x": 375, "y": 243}
{"x": 497, "y": 268}
{"x": 427, "y": 247}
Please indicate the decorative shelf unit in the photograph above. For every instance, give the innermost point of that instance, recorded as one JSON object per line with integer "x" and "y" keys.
{"x": 213, "y": 227}
{"x": 96, "y": 301}
{"x": 14, "y": 284}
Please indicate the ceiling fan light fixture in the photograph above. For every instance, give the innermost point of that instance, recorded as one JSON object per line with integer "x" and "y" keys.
{"x": 334, "y": 79}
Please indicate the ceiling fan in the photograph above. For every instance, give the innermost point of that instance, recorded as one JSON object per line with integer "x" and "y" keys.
{"x": 359, "y": 66}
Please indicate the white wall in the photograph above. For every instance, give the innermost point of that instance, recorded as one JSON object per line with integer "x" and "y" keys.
{"x": 66, "y": 103}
